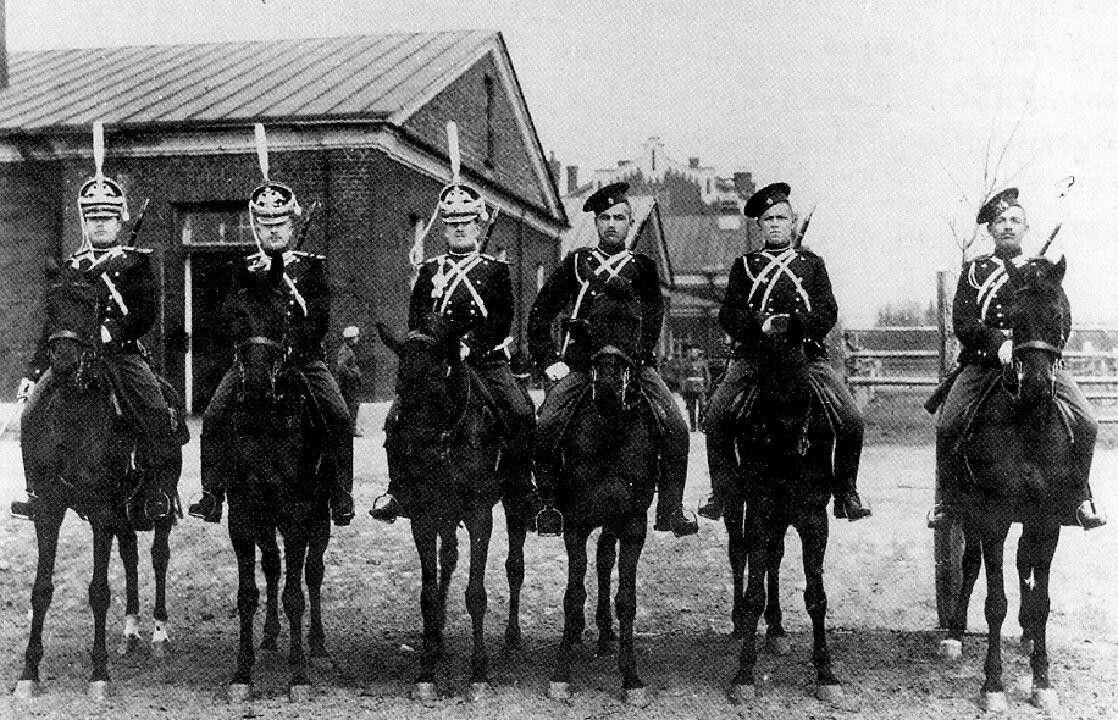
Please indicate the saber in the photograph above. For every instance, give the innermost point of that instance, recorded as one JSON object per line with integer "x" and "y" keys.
{"x": 804, "y": 227}
{"x": 1048, "y": 242}
{"x": 306, "y": 225}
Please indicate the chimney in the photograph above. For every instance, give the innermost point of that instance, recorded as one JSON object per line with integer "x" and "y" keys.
{"x": 743, "y": 184}
{"x": 3, "y": 47}
{"x": 693, "y": 162}
{"x": 552, "y": 164}
{"x": 572, "y": 179}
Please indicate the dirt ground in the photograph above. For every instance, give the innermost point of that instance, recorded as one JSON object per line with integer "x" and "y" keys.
{"x": 881, "y": 618}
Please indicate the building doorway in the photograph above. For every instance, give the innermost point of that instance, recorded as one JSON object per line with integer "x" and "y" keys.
{"x": 216, "y": 237}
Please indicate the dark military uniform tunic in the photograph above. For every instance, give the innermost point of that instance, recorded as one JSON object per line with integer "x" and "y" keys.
{"x": 571, "y": 288}
{"x": 298, "y": 284}
{"x": 129, "y": 304}
{"x": 980, "y": 317}
{"x": 471, "y": 295}
{"x": 776, "y": 281}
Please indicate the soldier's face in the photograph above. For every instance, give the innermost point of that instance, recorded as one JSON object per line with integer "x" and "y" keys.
{"x": 613, "y": 226}
{"x": 103, "y": 231}
{"x": 274, "y": 238}
{"x": 462, "y": 237}
{"x": 1009, "y": 227}
{"x": 776, "y": 225}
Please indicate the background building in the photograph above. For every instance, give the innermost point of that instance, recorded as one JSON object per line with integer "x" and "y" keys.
{"x": 355, "y": 124}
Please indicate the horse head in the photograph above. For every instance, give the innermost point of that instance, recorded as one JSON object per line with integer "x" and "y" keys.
{"x": 73, "y": 322}
{"x": 428, "y": 372}
{"x": 1040, "y": 318}
{"x": 783, "y": 400}
{"x": 262, "y": 320}
{"x": 611, "y": 332}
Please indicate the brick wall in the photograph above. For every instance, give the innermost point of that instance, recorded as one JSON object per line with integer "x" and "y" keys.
{"x": 464, "y": 101}
{"x": 29, "y": 232}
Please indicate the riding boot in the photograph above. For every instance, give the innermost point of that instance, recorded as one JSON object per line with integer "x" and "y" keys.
{"x": 848, "y": 454}
{"x": 25, "y": 510}
{"x": 390, "y": 509}
{"x": 946, "y": 482}
{"x": 213, "y": 458}
{"x": 1087, "y": 514}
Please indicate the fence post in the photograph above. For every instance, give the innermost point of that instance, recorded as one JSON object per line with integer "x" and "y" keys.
{"x": 941, "y": 320}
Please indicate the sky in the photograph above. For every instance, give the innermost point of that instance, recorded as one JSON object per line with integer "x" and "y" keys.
{"x": 892, "y": 119}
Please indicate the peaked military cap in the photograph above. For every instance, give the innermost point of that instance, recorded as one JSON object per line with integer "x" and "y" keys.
{"x": 765, "y": 198}
{"x": 994, "y": 206}
{"x": 606, "y": 197}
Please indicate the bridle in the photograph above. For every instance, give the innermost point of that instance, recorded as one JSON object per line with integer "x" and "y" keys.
{"x": 282, "y": 354}
{"x": 627, "y": 366}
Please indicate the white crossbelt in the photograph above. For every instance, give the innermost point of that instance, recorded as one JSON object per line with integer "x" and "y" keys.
{"x": 451, "y": 274}
{"x": 989, "y": 289}
{"x": 779, "y": 265}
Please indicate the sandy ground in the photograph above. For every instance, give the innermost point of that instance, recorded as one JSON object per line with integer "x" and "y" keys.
{"x": 881, "y": 619}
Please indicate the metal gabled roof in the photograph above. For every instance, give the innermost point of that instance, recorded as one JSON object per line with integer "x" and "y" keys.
{"x": 356, "y": 77}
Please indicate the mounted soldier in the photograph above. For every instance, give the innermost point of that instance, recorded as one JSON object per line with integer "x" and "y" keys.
{"x": 572, "y": 287}
{"x": 982, "y": 323}
{"x": 781, "y": 279}
{"x": 297, "y": 279}
{"x": 467, "y": 294}
{"x": 128, "y": 292}
{"x": 695, "y": 384}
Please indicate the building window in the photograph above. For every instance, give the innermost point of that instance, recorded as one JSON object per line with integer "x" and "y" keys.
{"x": 217, "y": 224}
{"x": 490, "y": 131}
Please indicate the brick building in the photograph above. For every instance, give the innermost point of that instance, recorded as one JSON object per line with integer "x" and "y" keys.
{"x": 356, "y": 124}
{"x": 701, "y": 230}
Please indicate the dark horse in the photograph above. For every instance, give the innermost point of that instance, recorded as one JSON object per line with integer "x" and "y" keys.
{"x": 443, "y": 450}
{"x": 1015, "y": 458}
{"x": 79, "y": 457}
{"x": 277, "y": 488}
{"x": 607, "y": 480}
{"x": 784, "y": 441}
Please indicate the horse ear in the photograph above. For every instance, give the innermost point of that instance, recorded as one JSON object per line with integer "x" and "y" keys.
{"x": 389, "y": 338}
{"x": 1061, "y": 268}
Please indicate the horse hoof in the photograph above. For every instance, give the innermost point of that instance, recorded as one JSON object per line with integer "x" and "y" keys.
{"x": 299, "y": 693}
{"x": 26, "y": 689}
{"x": 637, "y": 697}
{"x": 951, "y": 649}
{"x": 1045, "y": 699}
{"x": 559, "y": 690}
{"x": 480, "y": 691}
{"x": 742, "y": 693}
{"x": 828, "y": 693}
{"x": 127, "y": 644}
{"x": 161, "y": 649}
{"x": 426, "y": 692}
{"x": 778, "y": 644}
{"x": 994, "y": 702}
{"x": 240, "y": 692}
{"x": 99, "y": 690}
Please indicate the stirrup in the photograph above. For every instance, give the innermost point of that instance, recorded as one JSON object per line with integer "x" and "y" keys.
{"x": 1089, "y": 524}
{"x": 549, "y": 514}
{"x": 379, "y": 505}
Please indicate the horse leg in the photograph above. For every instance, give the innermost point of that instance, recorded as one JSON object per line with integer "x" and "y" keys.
{"x": 1043, "y": 544}
{"x": 758, "y": 527}
{"x": 271, "y": 563}
{"x": 99, "y": 599}
{"x": 603, "y": 563}
{"x": 160, "y": 558}
{"x": 632, "y": 542}
{"x": 128, "y": 548}
{"x": 813, "y": 529}
{"x": 294, "y": 601}
{"x": 574, "y": 619}
{"x": 952, "y": 646}
{"x": 1026, "y": 581}
{"x": 738, "y": 550}
{"x": 776, "y": 639}
{"x": 242, "y": 535}
{"x": 448, "y": 562}
{"x": 480, "y": 527}
{"x": 425, "y": 535}
{"x": 47, "y": 527}
{"x": 315, "y": 571}
{"x": 515, "y": 525}
{"x": 993, "y": 551}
